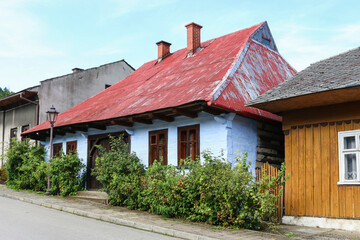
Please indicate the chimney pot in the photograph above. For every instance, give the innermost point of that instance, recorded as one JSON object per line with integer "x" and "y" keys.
{"x": 75, "y": 70}
{"x": 163, "y": 50}
{"x": 193, "y": 37}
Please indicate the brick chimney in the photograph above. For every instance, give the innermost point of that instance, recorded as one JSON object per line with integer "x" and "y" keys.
{"x": 193, "y": 37}
{"x": 163, "y": 50}
{"x": 76, "y": 70}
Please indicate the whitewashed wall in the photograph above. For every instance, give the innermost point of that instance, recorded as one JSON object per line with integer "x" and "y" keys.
{"x": 228, "y": 134}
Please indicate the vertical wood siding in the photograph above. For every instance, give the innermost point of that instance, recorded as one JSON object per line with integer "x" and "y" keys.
{"x": 311, "y": 158}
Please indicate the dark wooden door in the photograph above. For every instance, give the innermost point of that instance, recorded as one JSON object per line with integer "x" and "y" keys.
{"x": 93, "y": 152}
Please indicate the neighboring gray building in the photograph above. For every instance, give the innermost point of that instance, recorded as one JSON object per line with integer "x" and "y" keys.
{"x": 27, "y": 108}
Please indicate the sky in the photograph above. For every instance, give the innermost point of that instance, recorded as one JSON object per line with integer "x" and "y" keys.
{"x": 41, "y": 39}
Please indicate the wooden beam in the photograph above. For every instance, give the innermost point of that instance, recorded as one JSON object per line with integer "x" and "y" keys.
{"x": 161, "y": 117}
{"x": 80, "y": 128}
{"x": 97, "y": 126}
{"x": 59, "y": 132}
{"x": 185, "y": 113}
{"x": 121, "y": 123}
{"x": 211, "y": 110}
{"x": 69, "y": 130}
{"x": 140, "y": 120}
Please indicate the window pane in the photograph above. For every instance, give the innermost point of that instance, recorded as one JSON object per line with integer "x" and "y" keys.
{"x": 161, "y": 139}
{"x": 349, "y": 142}
{"x": 183, "y": 136}
{"x": 350, "y": 167}
{"x": 153, "y": 139}
{"x": 183, "y": 150}
{"x": 192, "y": 135}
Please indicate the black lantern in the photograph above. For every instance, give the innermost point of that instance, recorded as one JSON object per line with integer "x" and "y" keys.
{"x": 52, "y": 115}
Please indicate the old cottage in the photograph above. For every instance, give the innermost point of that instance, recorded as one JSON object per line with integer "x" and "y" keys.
{"x": 183, "y": 102}
{"x": 321, "y": 122}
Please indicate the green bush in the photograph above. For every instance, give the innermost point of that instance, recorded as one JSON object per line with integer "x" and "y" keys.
{"x": 210, "y": 191}
{"x": 120, "y": 173}
{"x": 66, "y": 174}
{"x": 3, "y": 175}
{"x": 25, "y": 165}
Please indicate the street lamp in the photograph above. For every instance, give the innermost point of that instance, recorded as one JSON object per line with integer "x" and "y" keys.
{"x": 52, "y": 116}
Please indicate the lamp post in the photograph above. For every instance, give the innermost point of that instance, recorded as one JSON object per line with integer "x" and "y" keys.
{"x": 52, "y": 116}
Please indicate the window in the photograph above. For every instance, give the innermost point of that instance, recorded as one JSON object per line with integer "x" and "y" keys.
{"x": 13, "y": 133}
{"x": 349, "y": 154}
{"x": 107, "y": 86}
{"x": 158, "y": 146}
{"x": 71, "y": 147}
{"x": 25, "y": 128}
{"x": 188, "y": 142}
{"x": 57, "y": 148}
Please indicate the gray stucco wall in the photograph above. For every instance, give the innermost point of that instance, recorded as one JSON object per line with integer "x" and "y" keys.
{"x": 15, "y": 118}
{"x": 67, "y": 91}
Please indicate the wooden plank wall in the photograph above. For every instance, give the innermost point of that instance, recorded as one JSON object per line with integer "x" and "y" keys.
{"x": 311, "y": 158}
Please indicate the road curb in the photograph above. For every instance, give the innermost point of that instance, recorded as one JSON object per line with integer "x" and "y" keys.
{"x": 118, "y": 221}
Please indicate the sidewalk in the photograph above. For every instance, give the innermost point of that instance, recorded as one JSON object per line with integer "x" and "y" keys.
{"x": 171, "y": 227}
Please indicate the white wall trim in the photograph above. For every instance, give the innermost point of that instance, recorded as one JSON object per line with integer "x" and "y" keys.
{"x": 322, "y": 222}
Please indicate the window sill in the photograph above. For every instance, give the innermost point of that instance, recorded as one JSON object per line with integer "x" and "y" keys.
{"x": 349, "y": 183}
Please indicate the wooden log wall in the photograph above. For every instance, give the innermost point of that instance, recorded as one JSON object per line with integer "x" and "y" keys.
{"x": 311, "y": 158}
{"x": 270, "y": 146}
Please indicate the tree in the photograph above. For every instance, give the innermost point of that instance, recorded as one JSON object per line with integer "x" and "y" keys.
{"x": 4, "y": 92}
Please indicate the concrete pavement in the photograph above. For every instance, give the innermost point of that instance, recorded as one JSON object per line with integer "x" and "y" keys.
{"x": 24, "y": 221}
{"x": 170, "y": 227}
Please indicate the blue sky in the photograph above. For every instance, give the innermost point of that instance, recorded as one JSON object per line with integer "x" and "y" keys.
{"x": 42, "y": 39}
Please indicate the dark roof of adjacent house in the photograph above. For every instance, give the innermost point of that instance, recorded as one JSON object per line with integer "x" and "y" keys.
{"x": 225, "y": 73}
{"x": 338, "y": 72}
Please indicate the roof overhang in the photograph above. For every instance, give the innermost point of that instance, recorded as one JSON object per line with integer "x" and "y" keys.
{"x": 318, "y": 99}
{"x": 15, "y": 99}
{"x": 168, "y": 115}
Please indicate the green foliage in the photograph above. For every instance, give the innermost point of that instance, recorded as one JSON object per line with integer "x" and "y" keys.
{"x": 66, "y": 174}
{"x": 4, "y": 92}
{"x": 120, "y": 173}
{"x": 27, "y": 169}
{"x": 212, "y": 191}
{"x": 3, "y": 175}
{"x": 25, "y": 165}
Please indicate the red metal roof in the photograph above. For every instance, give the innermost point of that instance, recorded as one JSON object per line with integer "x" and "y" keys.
{"x": 227, "y": 72}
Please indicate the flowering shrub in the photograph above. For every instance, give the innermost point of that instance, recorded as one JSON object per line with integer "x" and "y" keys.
{"x": 210, "y": 191}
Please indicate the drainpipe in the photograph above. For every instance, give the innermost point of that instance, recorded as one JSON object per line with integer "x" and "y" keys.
{"x": 3, "y": 141}
{"x": 37, "y": 109}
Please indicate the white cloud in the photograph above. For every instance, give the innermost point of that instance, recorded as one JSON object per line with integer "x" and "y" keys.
{"x": 21, "y": 33}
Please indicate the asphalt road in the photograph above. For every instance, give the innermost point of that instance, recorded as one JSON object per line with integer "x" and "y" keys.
{"x": 24, "y": 221}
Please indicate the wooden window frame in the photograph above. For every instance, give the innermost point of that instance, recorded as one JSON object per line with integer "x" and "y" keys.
{"x": 12, "y": 131}
{"x": 55, "y": 145}
{"x": 157, "y": 133}
{"x": 68, "y": 144}
{"x": 23, "y": 129}
{"x": 343, "y": 152}
{"x": 188, "y": 128}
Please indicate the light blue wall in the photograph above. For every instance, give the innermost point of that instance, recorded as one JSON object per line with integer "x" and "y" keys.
{"x": 242, "y": 137}
{"x": 227, "y": 133}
